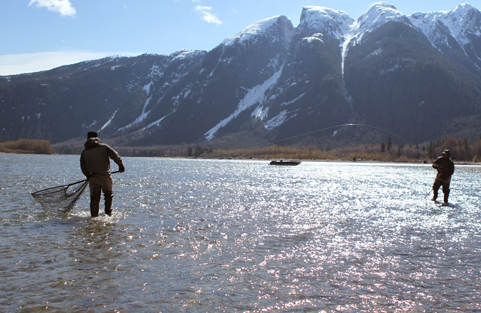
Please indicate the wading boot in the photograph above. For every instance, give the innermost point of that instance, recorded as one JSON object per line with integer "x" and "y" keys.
{"x": 94, "y": 206}
{"x": 108, "y": 204}
{"x": 446, "y": 196}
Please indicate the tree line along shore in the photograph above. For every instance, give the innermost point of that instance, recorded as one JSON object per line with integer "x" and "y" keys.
{"x": 27, "y": 146}
{"x": 462, "y": 150}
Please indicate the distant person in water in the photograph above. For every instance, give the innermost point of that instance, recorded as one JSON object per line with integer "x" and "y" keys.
{"x": 445, "y": 168}
{"x": 95, "y": 165}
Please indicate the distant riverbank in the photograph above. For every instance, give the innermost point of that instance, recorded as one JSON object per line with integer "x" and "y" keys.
{"x": 27, "y": 146}
{"x": 462, "y": 151}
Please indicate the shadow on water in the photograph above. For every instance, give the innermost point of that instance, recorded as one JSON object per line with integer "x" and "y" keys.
{"x": 439, "y": 208}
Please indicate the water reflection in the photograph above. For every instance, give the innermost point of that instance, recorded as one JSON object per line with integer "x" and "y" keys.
{"x": 195, "y": 235}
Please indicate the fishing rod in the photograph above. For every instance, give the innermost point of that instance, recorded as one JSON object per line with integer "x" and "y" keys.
{"x": 354, "y": 124}
{"x": 344, "y": 125}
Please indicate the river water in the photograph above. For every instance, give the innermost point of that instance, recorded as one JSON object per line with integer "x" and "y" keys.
{"x": 241, "y": 236}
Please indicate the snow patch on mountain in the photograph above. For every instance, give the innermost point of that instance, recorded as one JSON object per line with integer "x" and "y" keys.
{"x": 262, "y": 27}
{"x": 376, "y": 52}
{"x": 260, "y": 112}
{"x": 254, "y": 95}
{"x": 379, "y": 14}
{"x": 144, "y": 113}
{"x": 182, "y": 55}
{"x": 328, "y": 22}
{"x": 317, "y": 36}
{"x": 109, "y": 121}
{"x": 156, "y": 123}
{"x": 251, "y": 31}
{"x": 84, "y": 126}
{"x": 431, "y": 25}
{"x": 461, "y": 23}
{"x": 278, "y": 120}
{"x": 147, "y": 88}
{"x": 293, "y": 101}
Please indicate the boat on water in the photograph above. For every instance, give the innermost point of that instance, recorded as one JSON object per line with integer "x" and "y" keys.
{"x": 281, "y": 162}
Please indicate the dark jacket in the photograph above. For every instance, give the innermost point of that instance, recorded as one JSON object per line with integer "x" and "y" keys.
{"x": 95, "y": 158}
{"x": 444, "y": 166}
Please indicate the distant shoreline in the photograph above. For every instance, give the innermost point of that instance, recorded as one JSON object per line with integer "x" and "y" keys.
{"x": 27, "y": 146}
{"x": 268, "y": 159}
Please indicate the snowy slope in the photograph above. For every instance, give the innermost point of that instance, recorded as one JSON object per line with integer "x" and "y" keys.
{"x": 278, "y": 76}
{"x": 254, "y": 96}
{"x": 379, "y": 14}
{"x": 253, "y": 32}
{"x": 316, "y": 24}
{"x": 432, "y": 27}
{"x": 319, "y": 22}
{"x": 462, "y": 23}
{"x": 333, "y": 23}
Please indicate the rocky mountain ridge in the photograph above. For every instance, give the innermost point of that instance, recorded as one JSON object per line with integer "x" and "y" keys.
{"x": 417, "y": 76}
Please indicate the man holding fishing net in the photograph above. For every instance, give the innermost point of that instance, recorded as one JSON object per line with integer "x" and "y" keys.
{"x": 445, "y": 168}
{"x": 95, "y": 165}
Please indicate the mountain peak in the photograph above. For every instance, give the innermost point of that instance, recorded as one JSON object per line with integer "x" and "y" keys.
{"x": 265, "y": 26}
{"x": 316, "y": 18}
{"x": 463, "y": 23}
{"x": 464, "y": 7}
{"x": 268, "y": 82}
{"x": 384, "y": 4}
{"x": 379, "y": 14}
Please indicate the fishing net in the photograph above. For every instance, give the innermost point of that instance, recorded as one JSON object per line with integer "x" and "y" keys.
{"x": 62, "y": 197}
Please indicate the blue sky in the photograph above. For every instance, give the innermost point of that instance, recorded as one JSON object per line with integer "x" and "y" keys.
{"x": 43, "y": 34}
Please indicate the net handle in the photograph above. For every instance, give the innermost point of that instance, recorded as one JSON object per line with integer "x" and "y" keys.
{"x": 79, "y": 193}
{"x": 84, "y": 180}
{"x": 76, "y": 197}
{"x": 65, "y": 186}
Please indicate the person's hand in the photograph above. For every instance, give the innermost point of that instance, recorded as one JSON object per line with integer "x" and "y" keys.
{"x": 121, "y": 169}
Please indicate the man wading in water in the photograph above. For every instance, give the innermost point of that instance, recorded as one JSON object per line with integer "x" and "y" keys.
{"x": 95, "y": 165}
{"x": 445, "y": 168}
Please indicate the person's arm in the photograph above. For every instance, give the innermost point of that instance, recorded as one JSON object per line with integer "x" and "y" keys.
{"x": 451, "y": 168}
{"x": 438, "y": 166}
{"x": 116, "y": 157}
{"x": 121, "y": 167}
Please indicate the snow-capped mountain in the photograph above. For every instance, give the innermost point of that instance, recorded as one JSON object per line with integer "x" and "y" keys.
{"x": 418, "y": 76}
{"x": 453, "y": 30}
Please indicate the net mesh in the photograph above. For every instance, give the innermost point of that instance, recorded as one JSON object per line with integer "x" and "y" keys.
{"x": 61, "y": 197}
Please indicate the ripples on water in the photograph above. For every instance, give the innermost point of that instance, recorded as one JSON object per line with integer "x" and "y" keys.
{"x": 206, "y": 236}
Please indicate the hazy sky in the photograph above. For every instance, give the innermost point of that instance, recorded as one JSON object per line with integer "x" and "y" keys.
{"x": 43, "y": 34}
